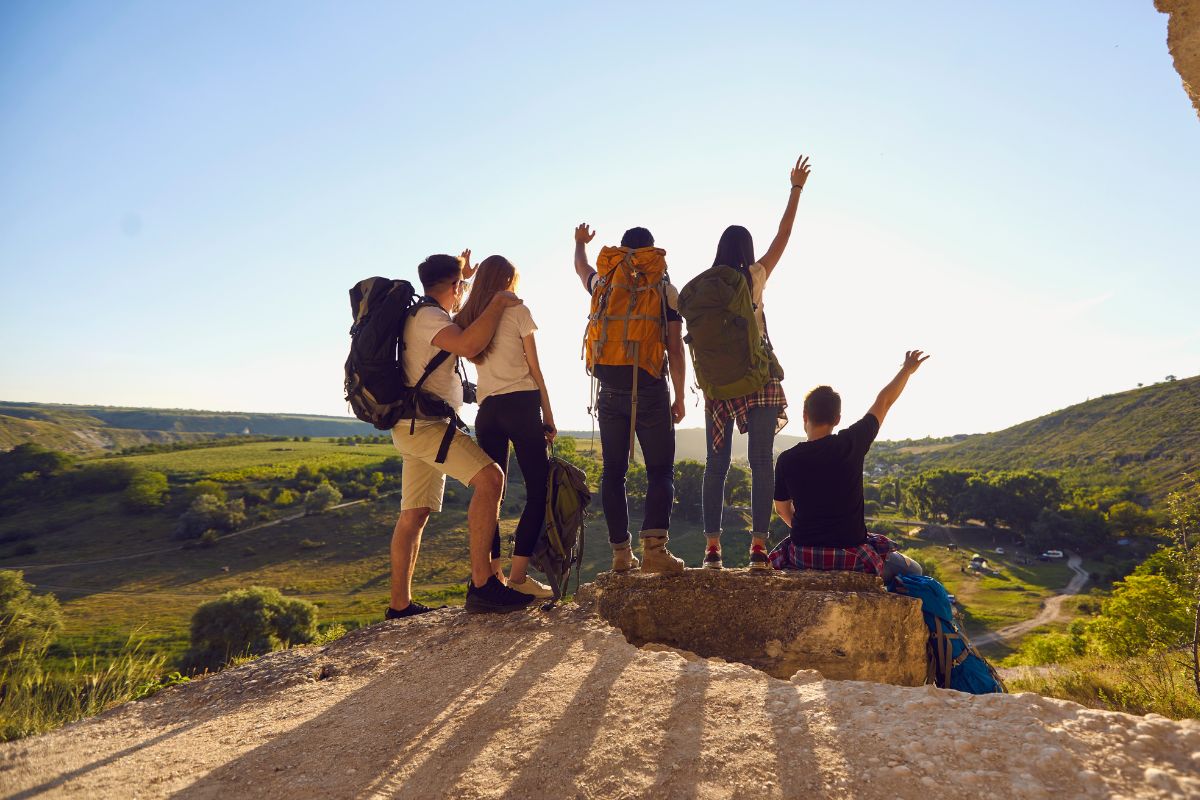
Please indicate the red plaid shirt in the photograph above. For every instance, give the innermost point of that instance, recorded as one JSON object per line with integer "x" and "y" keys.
{"x": 725, "y": 411}
{"x": 867, "y": 557}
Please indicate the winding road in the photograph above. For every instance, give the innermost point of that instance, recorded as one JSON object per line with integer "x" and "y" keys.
{"x": 1051, "y": 609}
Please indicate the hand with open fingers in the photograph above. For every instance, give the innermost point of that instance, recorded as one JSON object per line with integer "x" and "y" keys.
{"x": 800, "y": 172}
{"x": 584, "y": 234}
{"x": 467, "y": 269}
{"x": 678, "y": 410}
{"x": 507, "y": 299}
{"x": 914, "y": 359}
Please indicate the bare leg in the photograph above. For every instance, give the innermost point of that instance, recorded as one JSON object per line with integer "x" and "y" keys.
{"x": 498, "y": 569}
{"x": 482, "y": 515}
{"x": 406, "y": 542}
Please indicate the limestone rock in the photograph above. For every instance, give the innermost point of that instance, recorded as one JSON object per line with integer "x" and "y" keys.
{"x": 842, "y": 624}
{"x": 1183, "y": 40}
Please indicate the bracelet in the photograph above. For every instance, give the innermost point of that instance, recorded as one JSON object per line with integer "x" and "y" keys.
{"x": 794, "y": 186}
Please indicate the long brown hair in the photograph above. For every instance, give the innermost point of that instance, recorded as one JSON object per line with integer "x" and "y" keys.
{"x": 495, "y": 274}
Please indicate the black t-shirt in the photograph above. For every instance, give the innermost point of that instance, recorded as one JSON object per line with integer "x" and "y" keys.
{"x": 824, "y": 481}
{"x": 621, "y": 377}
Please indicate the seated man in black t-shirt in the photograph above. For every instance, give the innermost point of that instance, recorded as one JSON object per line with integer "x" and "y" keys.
{"x": 819, "y": 487}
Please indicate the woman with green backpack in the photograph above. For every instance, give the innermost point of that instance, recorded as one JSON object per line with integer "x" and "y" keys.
{"x": 738, "y": 372}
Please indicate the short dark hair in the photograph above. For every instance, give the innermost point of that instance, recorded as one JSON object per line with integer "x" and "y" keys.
{"x": 437, "y": 269}
{"x": 823, "y": 406}
{"x": 637, "y": 237}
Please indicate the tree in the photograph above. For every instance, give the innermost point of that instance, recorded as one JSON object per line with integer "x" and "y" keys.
{"x": 321, "y": 498}
{"x": 1130, "y": 519}
{"x": 249, "y": 621}
{"x": 1146, "y": 614}
{"x": 202, "y": 488}
{"x": 147, "y": 491}
{"x": 207, "y": 512}
{"x": 738, "y": 489}
{"x": 689, "y": 483}
{"x": 28, "y": 622}
{"x": 1026, "y": 493}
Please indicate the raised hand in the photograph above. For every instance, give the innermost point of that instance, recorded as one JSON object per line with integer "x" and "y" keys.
{"x": 914, "y": 359}
{"x": 584, "y": 234}
{"x": 467, "y": 269}
{"x": 800, "y": 172}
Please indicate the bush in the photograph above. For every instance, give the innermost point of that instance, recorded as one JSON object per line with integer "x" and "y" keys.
{"x": 209, "y": 538}
{"x": 100, "y": 478}
{"x": 28, "y": 622}
{"x": 247, "y": 622}
{"x": 321, "y": 498}
{"x": 207, "y": 512}
{"x": 203, "y": 488}
{"x": 146, "y": 491}
{"x": 286, "y": 497}
{"x": 310, "y": 544}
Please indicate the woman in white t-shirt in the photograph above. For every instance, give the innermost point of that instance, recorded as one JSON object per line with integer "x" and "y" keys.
{"x": 759, "y": 415}
{"x": 514, "y": 407}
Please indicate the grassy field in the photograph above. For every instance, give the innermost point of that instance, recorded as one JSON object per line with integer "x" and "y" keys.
{"x": 258, "y": 460}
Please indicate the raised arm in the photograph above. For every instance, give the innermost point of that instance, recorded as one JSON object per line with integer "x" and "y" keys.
{"x": 535, "y": 371}
{"x": 470, "y": 342}
{"x": 583, "y": 269}
{"x": 677, "y": 366}
{"x": 780, "y": 242}
{"x": 890, "y": 393}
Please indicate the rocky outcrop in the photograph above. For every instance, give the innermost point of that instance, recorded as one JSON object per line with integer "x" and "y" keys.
{"x": 842, "y": 624}
{"x": 558, "y": 704}
{"x": 1183, "y": 40}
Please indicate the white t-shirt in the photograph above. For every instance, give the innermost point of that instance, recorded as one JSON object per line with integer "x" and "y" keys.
{"x": 505, "y": 369}
{"x": 419, "y": 330}
{"x": 758, "y": 279}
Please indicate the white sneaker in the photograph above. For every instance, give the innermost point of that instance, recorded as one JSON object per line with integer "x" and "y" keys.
{"x": 533, "y": 588}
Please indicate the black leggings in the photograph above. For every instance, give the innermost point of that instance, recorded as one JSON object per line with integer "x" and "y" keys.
{"x": 517, "y": 417}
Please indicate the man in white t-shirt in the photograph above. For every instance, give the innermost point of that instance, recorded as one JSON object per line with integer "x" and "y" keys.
{"x": 427, "y": 332}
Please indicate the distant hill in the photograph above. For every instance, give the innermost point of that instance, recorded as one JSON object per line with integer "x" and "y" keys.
{"x": 1147, "y": 437}
{"x": 94, "y": 429}
{"x": 690, "y": 443}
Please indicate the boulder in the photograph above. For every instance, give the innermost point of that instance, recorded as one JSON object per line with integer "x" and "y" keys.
{"x": 842, "y": 624}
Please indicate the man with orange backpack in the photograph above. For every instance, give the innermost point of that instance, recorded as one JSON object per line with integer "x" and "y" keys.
{"x": 634, "y": 339}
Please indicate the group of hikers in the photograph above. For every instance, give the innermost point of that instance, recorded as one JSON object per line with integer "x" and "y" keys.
{"x": 634, "y": 350}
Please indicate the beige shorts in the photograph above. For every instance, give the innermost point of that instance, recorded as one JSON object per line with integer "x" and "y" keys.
{"x": 422, "y": 482}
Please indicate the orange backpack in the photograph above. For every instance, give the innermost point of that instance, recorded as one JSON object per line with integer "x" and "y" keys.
{"x": 627, "y": 324}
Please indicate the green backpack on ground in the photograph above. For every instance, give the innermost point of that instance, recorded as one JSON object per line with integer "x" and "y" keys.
{"x": 731, "y": 356}
{"x": 560, "y": 545}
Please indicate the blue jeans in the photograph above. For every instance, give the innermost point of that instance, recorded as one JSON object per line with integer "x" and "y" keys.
{"x": 656, "y": 435}
{"x": 760, "y": 427}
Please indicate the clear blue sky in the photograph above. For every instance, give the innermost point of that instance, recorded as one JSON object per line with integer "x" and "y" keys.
{"x": 187, "y": 190}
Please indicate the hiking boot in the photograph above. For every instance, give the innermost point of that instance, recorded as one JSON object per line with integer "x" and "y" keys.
{"x": 758, "y": 558}
{"x": 533, "y": 588}
{"x": 494, "y": 598}
{"x": 623, "y": 558}
{"x": 410, "y": 610}
{"x": 657, "y": 558}
{"x": 712, "y": 557}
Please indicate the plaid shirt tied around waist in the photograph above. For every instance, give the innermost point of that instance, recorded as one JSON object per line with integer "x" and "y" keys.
{"x": 725, "y": 411}
{"x": 867, "y": 557}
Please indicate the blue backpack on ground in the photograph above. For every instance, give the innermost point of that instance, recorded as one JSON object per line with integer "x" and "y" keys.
{"x": 954, "y": 663}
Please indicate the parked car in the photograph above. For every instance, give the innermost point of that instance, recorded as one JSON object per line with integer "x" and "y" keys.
{"x": 999, "y": 550}
{"x": 1049, "y": 554}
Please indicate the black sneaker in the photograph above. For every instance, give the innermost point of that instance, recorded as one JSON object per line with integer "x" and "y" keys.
{"x": 495, "y": 598}
{"x": 410, "y": 610}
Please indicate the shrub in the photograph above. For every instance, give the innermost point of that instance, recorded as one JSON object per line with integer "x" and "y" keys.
{"x": 203, "y": 488}
{"x": 286, "y": 497}
{"x": 928, "y": 566}
{"x": 28, "y": 622}
{"x": 207, "y": 512}
{"x": 310, "y": 544}
{"x": 146, "y": 491}
{"x": 321, "y": 498}
{"x": 209, "y": 538}
{"x": 100, "y": 478}
{"x": 247, "y": 622}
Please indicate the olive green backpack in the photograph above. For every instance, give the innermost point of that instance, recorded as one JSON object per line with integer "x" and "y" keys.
{"x": 731, "y": 357}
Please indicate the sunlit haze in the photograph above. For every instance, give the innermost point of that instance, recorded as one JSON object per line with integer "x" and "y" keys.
{"x": 188, "y": 190}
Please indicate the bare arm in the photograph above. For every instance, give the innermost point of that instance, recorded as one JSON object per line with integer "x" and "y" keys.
{"x": 470, "y": 342}
{"x": 786, "y": 511}
{"x": 535, "y": 371}
{"x": 677, "y": 366}
{"x": 779, "y": 244}
{"x": 891, "y": 393}
{"x": 583, "y": 269}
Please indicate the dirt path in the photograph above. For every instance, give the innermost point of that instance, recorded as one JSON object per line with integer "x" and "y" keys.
{"x": 1051, "y": 609}
{"x": 559, "y": 704}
